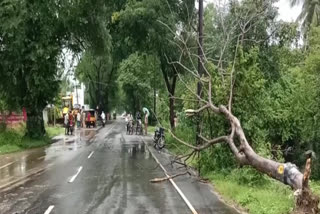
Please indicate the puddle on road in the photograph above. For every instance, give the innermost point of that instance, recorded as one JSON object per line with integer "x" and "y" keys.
{"x": 18, "y": 164}
{"x": 135, "y": 150}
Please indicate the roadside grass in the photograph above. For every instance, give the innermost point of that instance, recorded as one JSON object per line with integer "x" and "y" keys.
{"x": 14, "y": 140}
{"x": 244, "y": 187}
{"x": 151, "y": 129}
{"x": 271, "y": 198}
{"x": 54, "y": 131}
{"x": 315, "y": 186}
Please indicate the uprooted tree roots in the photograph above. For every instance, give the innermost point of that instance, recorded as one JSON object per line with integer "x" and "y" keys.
{"x": 307, "y": 203}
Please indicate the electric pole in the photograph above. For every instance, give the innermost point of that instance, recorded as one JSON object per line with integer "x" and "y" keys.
{"x": 200, "y": 72}
{"x": 200, "y": 61}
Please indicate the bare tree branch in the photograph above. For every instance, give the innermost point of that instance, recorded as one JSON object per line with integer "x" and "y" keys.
{"x": 232, "y": 81}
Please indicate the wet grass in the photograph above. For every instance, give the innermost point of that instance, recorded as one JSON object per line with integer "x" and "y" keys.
{"x": 271, "y": 198}
{"x": 54, "y": 131}
{"x": 151, "y": 129}
{"x": 315, "y": 186}
{"x": 14, "y": 140}
{"x": 248, "y": 189}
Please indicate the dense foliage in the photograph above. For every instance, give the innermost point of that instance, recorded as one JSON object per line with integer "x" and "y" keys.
{"x": 276, "y": 91}
{"x": 136, "y": 54}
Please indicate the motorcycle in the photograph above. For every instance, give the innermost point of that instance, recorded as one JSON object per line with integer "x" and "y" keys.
{"x": 139, "y": 130}
{"x": 130, "y": 127}
{"x": 159, "y": 138}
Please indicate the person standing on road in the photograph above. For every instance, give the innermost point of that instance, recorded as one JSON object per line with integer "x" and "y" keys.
{"x": 71, "y": 122}
{"x": 103, "y": 118}
{"x": 88, "y": 119}
{"x": 127, "y": 121}
{"x": 146, "y": 115}
{"x": 83, "y": 118}
{"x": 66, "y": 123}
{"x": 139, "y": 118}
{"x": 78, "y": 119}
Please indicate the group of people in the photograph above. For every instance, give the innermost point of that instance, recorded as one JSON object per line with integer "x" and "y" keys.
{"x": 130, "y": 121}
{"x": 80, "y": 118}
{"x": 69, "y": 120}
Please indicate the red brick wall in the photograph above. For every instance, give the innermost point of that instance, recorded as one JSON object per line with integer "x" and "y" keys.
{"x": 15, "y": 118}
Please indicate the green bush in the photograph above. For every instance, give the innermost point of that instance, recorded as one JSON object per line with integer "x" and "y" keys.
{"x": 13, "y": 140}
{"x": 12, "y": 137}
{"x": 3, "y": 126}
{"x": 249, "y": 176}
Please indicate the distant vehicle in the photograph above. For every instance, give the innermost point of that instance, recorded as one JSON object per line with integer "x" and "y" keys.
{"x": 92, "y": 121}
{"x": 67, "y": 104}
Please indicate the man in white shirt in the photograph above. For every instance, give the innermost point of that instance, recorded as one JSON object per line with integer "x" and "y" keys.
{"x": 66, "y": 123}
{"x": 78, "y": 119}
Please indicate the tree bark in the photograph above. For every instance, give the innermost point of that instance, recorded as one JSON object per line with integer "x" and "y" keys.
{"x": 35, "y": 123}
{"x": 106, "y": 107}
{"x": 171, "y": 87}
{"x": 287, "y": 173}
{"x": 172, "y": 100}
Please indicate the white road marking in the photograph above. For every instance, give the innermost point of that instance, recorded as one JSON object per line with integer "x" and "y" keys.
{"x": 109, "y": 130}
{"x": 8, "y": 164}
{"x": 50, "y": 208}
{"x": 74, "y": 177}
{"x": 90, "y": 154}
{"x": 193, "y": 210}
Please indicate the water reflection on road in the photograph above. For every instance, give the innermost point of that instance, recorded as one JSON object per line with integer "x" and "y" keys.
{"x": 19, "y": 164}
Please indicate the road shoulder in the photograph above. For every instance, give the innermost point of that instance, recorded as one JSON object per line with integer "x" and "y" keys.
{"x": 201, "y": 195}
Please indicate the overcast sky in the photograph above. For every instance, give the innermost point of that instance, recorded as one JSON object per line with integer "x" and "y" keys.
{"x": 286, "y": 13}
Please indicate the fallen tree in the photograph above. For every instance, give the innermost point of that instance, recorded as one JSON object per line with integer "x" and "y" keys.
{"x": 287, "y": 173}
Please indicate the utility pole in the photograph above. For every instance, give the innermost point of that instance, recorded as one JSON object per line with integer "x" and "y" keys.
{"x": 154, "y": 95}
{"x": 200, "y": 72}
{"x": 200, "y": 61}
{"x": 75, "y": 83}
{"x": 200, "y": 45}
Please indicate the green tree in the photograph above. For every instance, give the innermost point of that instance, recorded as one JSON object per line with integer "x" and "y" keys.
{"x": 31, "y": 41}
{"x": 97, "y": 74}
{"x": 33, "y": 35}
{"x": 150, "y": 26}
{"x": 135, "y": 77}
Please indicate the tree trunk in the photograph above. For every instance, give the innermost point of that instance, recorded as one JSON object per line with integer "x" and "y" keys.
{"x": 106, "y": 107}
{"x": 286, "y": 173}
{"x": 35, "y": 123}
{"x": 171, "y": 108}
{"x": 172, "y": 100}
{"x": 171, "y": 90}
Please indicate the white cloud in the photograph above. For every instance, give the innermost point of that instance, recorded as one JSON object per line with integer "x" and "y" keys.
{"x": 286, "y": 12}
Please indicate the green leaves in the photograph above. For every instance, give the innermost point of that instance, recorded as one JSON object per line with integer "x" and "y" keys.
{"x": 136, "y": 77}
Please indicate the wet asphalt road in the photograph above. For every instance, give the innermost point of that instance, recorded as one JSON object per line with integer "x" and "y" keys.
{"x": 104, "y": 173}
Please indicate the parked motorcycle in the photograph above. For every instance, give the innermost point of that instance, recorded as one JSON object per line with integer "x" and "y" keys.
{"x": 159, "y": 138}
